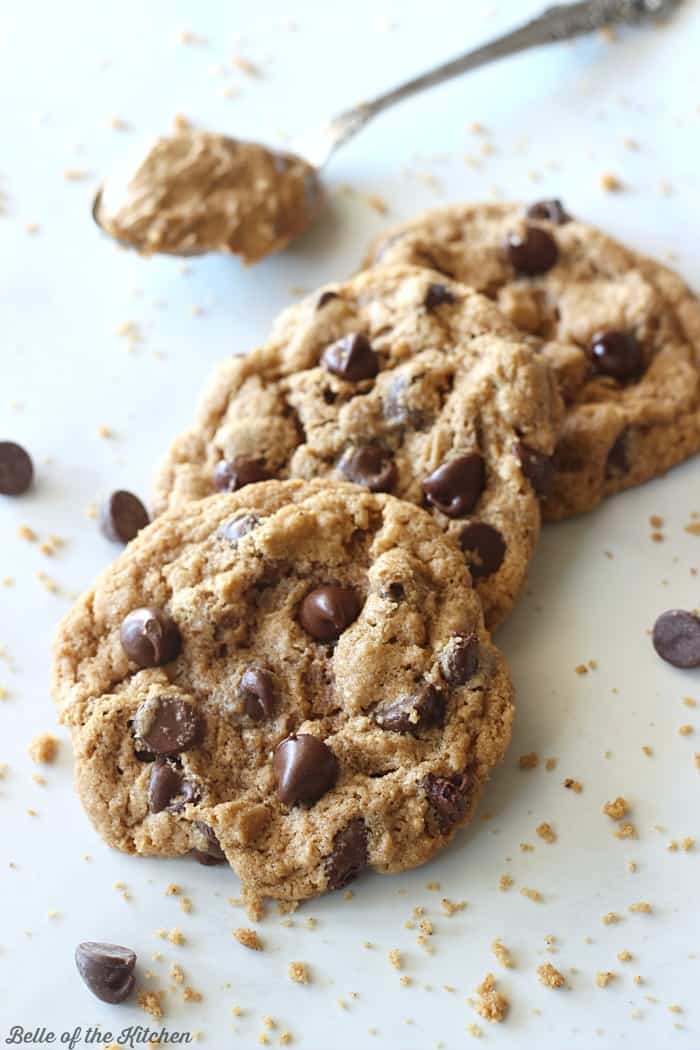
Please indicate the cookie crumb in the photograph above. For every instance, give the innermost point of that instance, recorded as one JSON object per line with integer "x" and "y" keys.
{"x": 625, "y": 956}
{"x": 546, "y": 832}
{"x": 491, "y": 1005}
{"x": 685, "y": 730}
{"x": 617, "y": 809}
{"x": 533, "y": 895}
{"x": 609, "y": 182}
{"x": 625, "y": 830}
{"x": 505, "y": 882}
{"x": 151, "y": 1003}
{"x": 550, "y": 976}
{"x": 529, "y": 761}
{"x": 395, "y": 958}
{"x": 641, "y": 907}
{"x": 248, "y": 938}
{"x": 550, "y": 764}
{"x": 573, "y": 785}
{"x": 502, "y": 954}
{"x": 611, "y": 918}
{"x": 451, "y": 907}
{"x": 299, "y": 973}
{"x": 43, "y": 748}
{"x": 604, "y": 978}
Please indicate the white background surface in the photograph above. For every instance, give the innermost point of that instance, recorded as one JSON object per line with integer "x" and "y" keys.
{"x": 558, "y": 117}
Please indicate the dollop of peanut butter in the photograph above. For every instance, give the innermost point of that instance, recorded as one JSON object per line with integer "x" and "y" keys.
{"x": 198, "y": 192}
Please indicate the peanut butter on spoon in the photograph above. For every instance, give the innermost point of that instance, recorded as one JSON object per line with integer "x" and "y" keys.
{"x": 196, "y": 192}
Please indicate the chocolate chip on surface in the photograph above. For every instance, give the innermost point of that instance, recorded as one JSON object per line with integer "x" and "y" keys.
{"x": 168, "y": 725}
{"x": 351, "y": 358}
{"x": 550, "y": 210}
{"x": 107, "y": 970}
{"x": 16, "y": 469}
{"x": 676, "y": 638}
{"x": 233, "y": 474}
{"x": 410, "y": 714}
{"x": 447, "y": 798}
{"x": 328, "y": 611}
{"x": 349, "y": 855}
{"x": 459, "y": 660}
{"x": 485, "y": 548}
{"x": 257, "y": 691}
{"x": 533, "y": 252}
{"x": 122, "y": 516}
{"x": 149, "y": 637}
{"x": 371, "y": 466}
{"x": 537, "y": 468}
{"x": 238, "y": 527}
{"x": 438, "y": 295}
{"x": 305, "y": 769}
{"x": 455, "y": 487}
{"x": 617, "y": 354}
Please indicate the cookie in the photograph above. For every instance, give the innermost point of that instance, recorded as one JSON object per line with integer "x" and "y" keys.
{"x": 295, "y": 678}
{"x": 401, "y": 381}
{"x": 621, "y": 331}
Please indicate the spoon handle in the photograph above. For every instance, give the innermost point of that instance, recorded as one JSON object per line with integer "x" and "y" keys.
{"x": 562, "y": 22}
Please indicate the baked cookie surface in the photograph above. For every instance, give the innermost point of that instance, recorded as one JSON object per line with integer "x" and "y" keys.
{"x": 403, "y": 382}
{"x": 295, "y": 677}
{"x": 621, "y": 331}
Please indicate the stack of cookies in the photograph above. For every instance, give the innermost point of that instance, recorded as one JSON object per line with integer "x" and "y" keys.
{"x": 290, "y": 669}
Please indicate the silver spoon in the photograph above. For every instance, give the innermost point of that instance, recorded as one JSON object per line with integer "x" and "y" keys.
{"x": 196, "y": 191}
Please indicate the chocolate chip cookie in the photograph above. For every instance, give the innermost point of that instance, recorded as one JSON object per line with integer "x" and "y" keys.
{"x": 295, "y": 678}
{"x": 401, "y": 381}
{"x": 621, "y": 331}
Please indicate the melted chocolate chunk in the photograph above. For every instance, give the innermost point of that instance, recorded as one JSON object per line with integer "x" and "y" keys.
{"x": 349, "y": 855}
{"x": 447, "y": 798}
{"x": 371, "y": 466}
{"x": 455, "y": 487}
{"x": 459, "y": 660}
{"x": 485, "y": 548}
{"x": 411, "y": 714}
{"x": 305, "y": 769}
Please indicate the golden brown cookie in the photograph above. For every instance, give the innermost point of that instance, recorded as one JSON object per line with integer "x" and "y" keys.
{"x": 295, "y": 678}
{"x": 401, "y": 381}
{"x": 621, "y": 331}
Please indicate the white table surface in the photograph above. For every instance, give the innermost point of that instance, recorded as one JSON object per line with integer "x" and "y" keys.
{"x": 556, "y": 120}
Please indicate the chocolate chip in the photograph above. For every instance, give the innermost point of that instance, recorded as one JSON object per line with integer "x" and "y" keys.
{"x": 454, "y": 488}
{"x": 233, "y": 474}
{"x": 617, "y": 354}
{"x": 533, "y": 252}
{"x": 327, "y": 611}
{"x": 370, "y": 466}
{"x": 485, "y": 546}
{"x": 447, "y": 798}
{"x": 438, "y": 295}
{"x": 326, "y": 297}
{"x": 212, "y": 853}
{"x": 397, "y": 408}
{"x": 551, "y": 210}
{"x": 122, "y": 516}
{"x": 676, "y": 638}
{"x": 537, "y": 468}
{"x": 617, "y": 461}
{"x": 351, "y": 358}
{"x": 168, "y": 789}
{"x": 238, "y": 527}
{"x": 304, "y": 767}
{"x": 410, "y": 714}
{"x": 459, "y": 660}
{"x": 349, "y": 854}
{"x": 257, "y": 691}
{"x": 168, "y": 725}
{"x": 16, "y": 469}
{"x": 107, "y": 969}
{"x": 149, "y": 637}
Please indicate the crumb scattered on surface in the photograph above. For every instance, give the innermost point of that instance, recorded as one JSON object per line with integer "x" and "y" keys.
{"x": 151, "y": 1003}
{"x": 490, "y": 1004}
{"x": 505, "y": 882}
{"x": 610, "y": 182}
{"x": 533, "y": 895}
{"x": 248, "y": 938}
{"x": 502, "y": 954}
{"x": 617, "y": 809}
{"x": 573, "y": 785}
{"x": 641, "y": 907}
{"x": 550, "y": 976}
{"x": 611, "y": 918}
{"x": 625, "y": 830}
{"x": 395, "y": 958}
{"x": 43, "y": 748}
{"x": 452, "y": 907}
{"x": 546, "y": 832}
{"x": 529, "y": 761}
{"x": 299, "y": 973}
{"x": 605, "y": 977}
